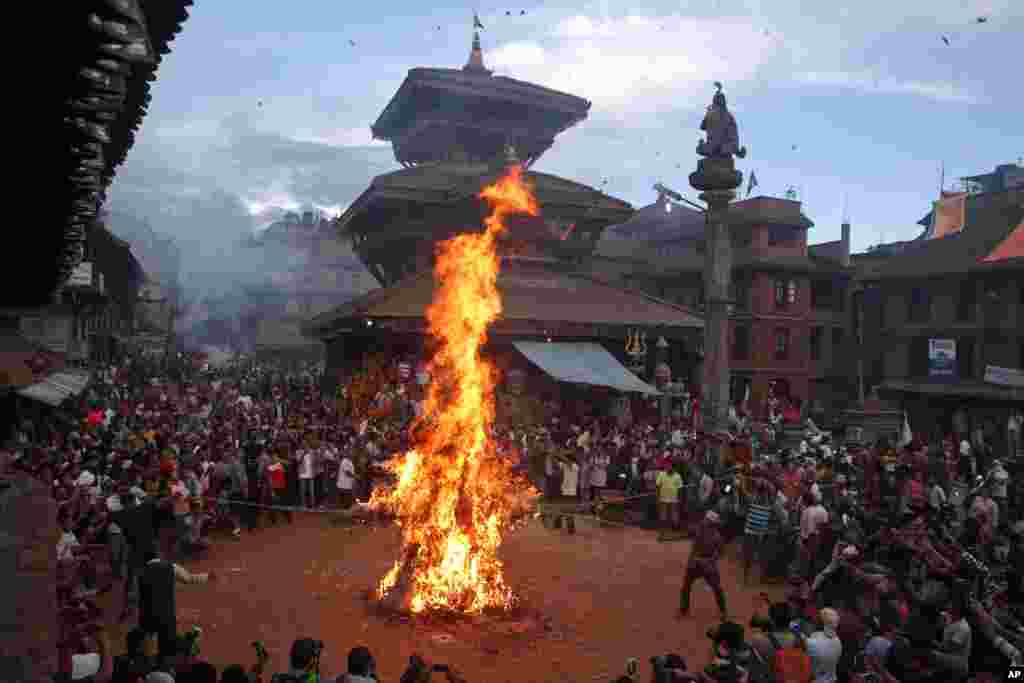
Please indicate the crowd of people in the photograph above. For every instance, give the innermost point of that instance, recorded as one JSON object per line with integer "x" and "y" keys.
{"x": 902, "y": 564}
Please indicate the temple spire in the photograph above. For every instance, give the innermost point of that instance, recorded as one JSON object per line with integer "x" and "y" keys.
{"x": 476, "y": 54}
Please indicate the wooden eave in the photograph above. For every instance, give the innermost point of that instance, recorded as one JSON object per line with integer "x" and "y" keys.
{"x": 469, "y": 84}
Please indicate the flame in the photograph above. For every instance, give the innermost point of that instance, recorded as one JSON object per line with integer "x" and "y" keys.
{"x": 455, "y": 496}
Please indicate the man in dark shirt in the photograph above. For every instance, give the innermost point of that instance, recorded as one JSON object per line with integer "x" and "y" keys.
{"x": 703, "y": 564}
{"x": 157, "y": 608}
{"x": 137, "y": 522}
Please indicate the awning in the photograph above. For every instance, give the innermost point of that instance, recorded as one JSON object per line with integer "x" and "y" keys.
{"x": 583, "y": 363}
{"x": 54, "y": 389}
{"x": 965, "y": 389}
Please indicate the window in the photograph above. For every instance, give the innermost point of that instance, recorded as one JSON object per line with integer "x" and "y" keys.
{"x": 741, "y": 342}
{"x": 822, "y": 294}
{"x": 838, "y": 337}
{"x": 741, "y": 292}
{"x": 781, "y": 343}
{"x": 785, "y": 293}
{"x": 816, "y": 334}
{"x": 781, "y": 235}
{"x": 966, "y": 301}
{"x": 965, "y": 358}
{"x": 920, "y": 305}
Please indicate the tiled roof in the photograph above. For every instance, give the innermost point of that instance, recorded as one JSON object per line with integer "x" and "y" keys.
{"x": 468, "y": 82}
{"x": 529, "y": 293}
{"x": 991, "y": 217}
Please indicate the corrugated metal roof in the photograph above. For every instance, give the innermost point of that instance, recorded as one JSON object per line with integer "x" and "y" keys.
{"x": 583, "y": 363}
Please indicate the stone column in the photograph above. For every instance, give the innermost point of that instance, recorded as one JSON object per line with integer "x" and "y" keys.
{"x": 717, "y": 179}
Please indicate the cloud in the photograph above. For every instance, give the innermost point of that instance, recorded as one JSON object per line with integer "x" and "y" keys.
{"x": 636, "y": 63}
{"x": 869, "y": 82}
{"x": 342, "y": 137}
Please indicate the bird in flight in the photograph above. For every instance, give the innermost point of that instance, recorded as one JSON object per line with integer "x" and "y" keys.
{"x": 352, "y": 42}
{"x": 945, "y": 40}
{"x": 981, "y": 20}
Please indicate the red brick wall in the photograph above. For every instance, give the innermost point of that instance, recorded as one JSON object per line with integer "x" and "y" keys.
{"x": 28, "y": 597}
{"x": 762, "y": 364}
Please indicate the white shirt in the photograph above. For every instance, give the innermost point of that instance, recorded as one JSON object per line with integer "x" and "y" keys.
{"x": 1014, "y": 423}
{"x": 825, "y": 650}
{"x": 306, "y": 464}
{"x": 599, "y": 473}
{"x": 346, "y": 474}
{"x": 1000, "y": 481}
{"x": 570, "y": 479}
{"x": 83, "y": 666}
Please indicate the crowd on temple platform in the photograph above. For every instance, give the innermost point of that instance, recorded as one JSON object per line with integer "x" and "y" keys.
{"x": 903, "y": 564}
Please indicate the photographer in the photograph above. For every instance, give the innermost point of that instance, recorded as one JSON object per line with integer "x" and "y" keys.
{"x": 361, "y": 667}
{"x": 304, "y": 661}
{"x": 670, "y": 669}
{"x": 733, "y": 659}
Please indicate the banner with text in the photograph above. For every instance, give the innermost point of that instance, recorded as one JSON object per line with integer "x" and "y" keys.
{"x": 941, "y": 357}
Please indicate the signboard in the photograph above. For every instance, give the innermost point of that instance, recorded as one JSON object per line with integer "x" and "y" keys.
{"x": 1007, "y": 377}
{"x": 941, "y": 357}
{"x": 81, "y": 276}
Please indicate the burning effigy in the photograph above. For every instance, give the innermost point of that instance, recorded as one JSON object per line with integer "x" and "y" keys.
{"x": 453, "y": 496}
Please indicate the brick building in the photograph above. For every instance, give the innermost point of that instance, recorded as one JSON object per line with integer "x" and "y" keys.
{"x": 791, "y": 318}
{"x": 943, "y": 316}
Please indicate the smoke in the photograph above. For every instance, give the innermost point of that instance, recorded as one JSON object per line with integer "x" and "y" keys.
{"x": 214, "y": 187}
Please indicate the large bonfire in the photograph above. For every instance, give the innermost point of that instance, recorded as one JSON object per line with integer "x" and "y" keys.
{"x": 454, "y": 496}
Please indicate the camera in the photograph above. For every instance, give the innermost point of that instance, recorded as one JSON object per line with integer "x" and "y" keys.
{"x": 419, "y": 670}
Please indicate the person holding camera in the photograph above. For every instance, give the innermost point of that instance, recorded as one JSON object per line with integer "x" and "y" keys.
{"x": 420, "y": 671}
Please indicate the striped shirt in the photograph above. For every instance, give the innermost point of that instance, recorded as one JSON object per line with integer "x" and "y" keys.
{"x": 758, "y": 518}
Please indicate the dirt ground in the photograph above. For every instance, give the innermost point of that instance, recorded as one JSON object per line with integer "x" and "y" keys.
{"x": 589, "y": 602}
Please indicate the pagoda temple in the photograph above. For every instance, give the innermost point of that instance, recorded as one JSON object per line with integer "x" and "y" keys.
{"x": 455, "y": 131}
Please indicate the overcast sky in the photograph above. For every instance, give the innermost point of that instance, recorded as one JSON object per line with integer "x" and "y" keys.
{"x": 267, "y": 106}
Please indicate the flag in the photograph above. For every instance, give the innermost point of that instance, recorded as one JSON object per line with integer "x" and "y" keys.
{"x": 906, "y": 436}
{"x": 752, "y": 183}
{"x": 476, "y": 21}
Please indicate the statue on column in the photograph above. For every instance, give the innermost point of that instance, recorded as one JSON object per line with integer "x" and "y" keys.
{"x": 723, "y": 140}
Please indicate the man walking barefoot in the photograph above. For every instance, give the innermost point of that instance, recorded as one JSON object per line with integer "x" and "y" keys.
{"x": 703, "y": 564}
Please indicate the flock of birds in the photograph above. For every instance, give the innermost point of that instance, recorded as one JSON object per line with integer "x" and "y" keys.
{"x": 508, "y": 13}
{"x": 477, "y": 24}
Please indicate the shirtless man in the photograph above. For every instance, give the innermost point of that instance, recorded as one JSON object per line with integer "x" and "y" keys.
{"x": 703, "y": 564}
